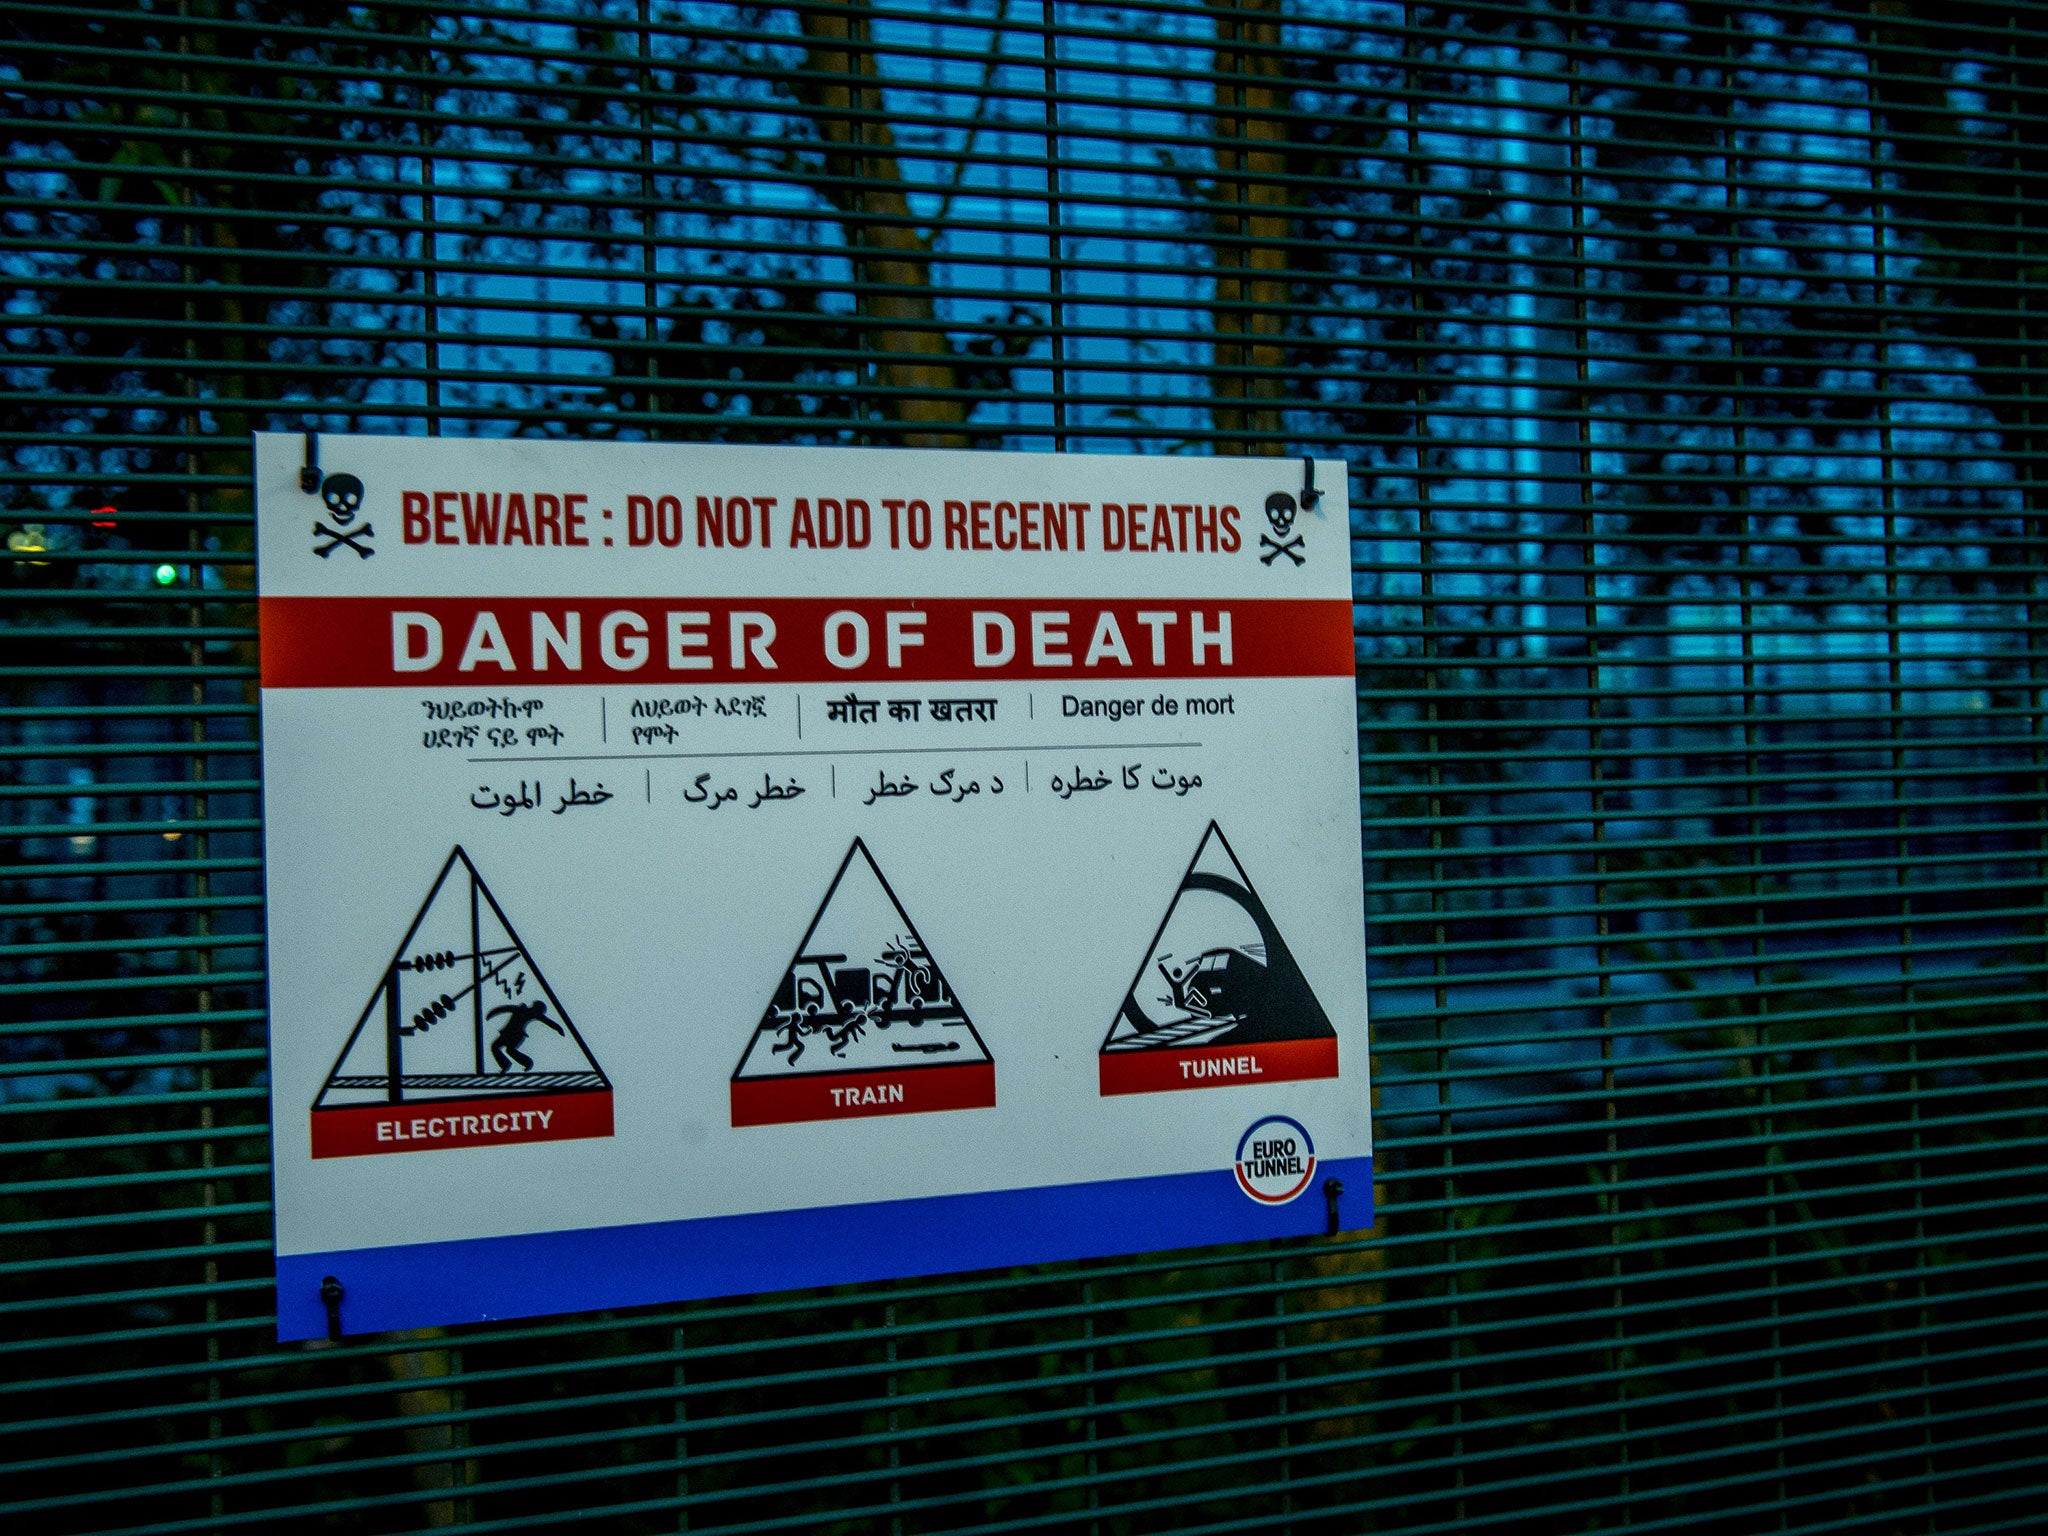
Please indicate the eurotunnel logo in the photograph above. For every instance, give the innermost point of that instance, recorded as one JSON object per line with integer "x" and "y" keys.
{"x": 1276, "y": 1160}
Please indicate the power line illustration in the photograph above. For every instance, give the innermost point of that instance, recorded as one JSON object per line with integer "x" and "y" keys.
{"x": 462, "y": 1041}
{"x": 862, "y": 1021}
{"x": 1219, "y": 999}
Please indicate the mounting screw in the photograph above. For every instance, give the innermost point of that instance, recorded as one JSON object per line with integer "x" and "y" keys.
{"x": 309, "y": 476}
{"x": 1309, "y": 494}
{"x": 1333, "y": 1191}
{"x": 330, "y": 1297}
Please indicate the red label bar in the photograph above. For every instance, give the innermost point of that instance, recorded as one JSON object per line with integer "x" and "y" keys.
{"x": 467, "y": 642}
{"x": 1217, "y": 1066}
{"x": 852, "y": 1095}
{"x": 356, "y": 1129}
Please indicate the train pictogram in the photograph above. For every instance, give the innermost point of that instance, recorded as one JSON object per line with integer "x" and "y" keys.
{"x": 862, "y": 1020}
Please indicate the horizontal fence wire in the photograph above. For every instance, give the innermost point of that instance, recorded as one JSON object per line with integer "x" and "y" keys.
{"x": 1684, "y": 359}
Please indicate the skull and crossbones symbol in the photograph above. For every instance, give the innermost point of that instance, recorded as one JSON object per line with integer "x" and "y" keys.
{"x": 1280, "y": 511}
{"x": 343, "y": 494}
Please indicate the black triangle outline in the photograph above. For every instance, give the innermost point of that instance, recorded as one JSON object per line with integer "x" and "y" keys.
{"x": 1179, "y": 888}
{"x": 405, "y": 942}
{"x": 860, "y": 846}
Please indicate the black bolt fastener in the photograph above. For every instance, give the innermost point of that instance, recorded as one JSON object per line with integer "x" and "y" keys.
{"x": 330, "y": 1297}
{"x": 1333, "y": 1191}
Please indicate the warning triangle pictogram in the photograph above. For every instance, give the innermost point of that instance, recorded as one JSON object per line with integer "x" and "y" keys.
{"x": 462, "y": 1043}
{"x": 862, "y": 1021}
{"x": 1219, "y": 999}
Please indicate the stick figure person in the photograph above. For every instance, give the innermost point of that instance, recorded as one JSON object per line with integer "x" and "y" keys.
{"x": 523, "y": 1017}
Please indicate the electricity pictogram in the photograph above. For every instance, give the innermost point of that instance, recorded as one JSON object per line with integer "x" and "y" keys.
{"x": 462, "y": 1043}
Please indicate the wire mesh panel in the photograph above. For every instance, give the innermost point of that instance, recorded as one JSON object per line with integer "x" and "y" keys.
{"x": 1685, "y": 359}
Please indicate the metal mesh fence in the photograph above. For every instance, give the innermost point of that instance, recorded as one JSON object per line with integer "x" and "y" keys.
{"x": 1684, "y": 356}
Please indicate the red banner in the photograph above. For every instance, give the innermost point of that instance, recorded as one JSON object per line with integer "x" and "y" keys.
{"x": 1217, "y": 1066}
{"x": 851, "y": 1095}
{"x": 460, "y": 642}
{"x": 356, "y": 1129}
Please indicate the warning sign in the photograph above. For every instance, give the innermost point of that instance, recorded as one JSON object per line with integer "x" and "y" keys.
{"x": 837, "y": 801}
{"x": 462, "y": 1043}
{"x": 862, "y": 1021}
{"x": 1219, "y": 1001}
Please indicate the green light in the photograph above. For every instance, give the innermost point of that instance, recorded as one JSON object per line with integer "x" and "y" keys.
{"x": 166, "y": 574}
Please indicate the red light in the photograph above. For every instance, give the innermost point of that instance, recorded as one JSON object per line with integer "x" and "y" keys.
{"x": 103, "y": 517}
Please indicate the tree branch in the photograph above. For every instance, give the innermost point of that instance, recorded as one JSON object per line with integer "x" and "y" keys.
{"x": 1251, "y": 221}
{"x": 864, "y": 183}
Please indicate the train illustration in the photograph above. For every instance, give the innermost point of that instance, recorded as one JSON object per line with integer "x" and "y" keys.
{"x": 822, "y": 994}
{"x": 1218, "y": 983}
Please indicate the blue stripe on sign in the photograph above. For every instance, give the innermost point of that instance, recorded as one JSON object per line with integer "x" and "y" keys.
{"x": 486, "y": 1279}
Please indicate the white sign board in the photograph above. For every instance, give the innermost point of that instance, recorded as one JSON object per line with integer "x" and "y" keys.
{"x": 698, "y": 870}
